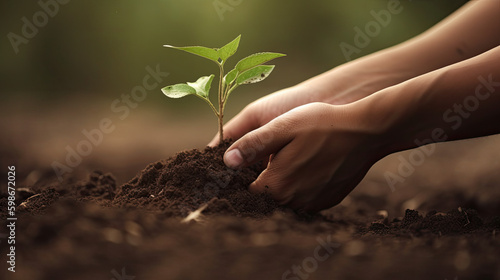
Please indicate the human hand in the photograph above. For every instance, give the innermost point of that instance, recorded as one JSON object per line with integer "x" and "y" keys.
{"x": 263, "y": 110}
{"x": 320, "y": 152}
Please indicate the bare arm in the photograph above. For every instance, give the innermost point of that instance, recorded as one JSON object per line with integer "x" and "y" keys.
{"x": 455, "y": 102}
{"x": 471, "y": 30}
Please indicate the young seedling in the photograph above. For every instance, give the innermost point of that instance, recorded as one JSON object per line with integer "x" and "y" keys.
{"x": 249, "y": 70}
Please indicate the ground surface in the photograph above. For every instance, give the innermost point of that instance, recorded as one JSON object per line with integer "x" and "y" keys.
{"x": 98, "y": 225}
{"x": 93, "y": 229}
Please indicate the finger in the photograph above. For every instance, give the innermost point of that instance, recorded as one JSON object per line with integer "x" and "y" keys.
{"x": 214, "y": 142}
{"x": 276, "y": 179}
{"x": 258, "y": 144}
{"x": 290, "y": 175}
{"x": 238, "y": 126}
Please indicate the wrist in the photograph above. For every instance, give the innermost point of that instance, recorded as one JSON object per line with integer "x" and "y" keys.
{"x": 452, "y": 103}
{"x": 393, "y": 118}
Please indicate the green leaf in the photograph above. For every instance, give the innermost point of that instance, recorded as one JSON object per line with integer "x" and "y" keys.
{"x": 201, "y": 88}
{"x": 229, "y": 49}
{"x": 255, "y": 60}
{"x": 230, "y": 76}
{"x": 254, "y": 75}
{"x": 205, "y": 52}
{"x": 178, "y": 90}
{"x": 202, "y": 85}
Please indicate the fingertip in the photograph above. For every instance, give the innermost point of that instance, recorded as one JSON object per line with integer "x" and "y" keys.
{"x": 261, "y": 184}
{"x": 255, "y": 187}
{"x": 233, "y": 158}
{"x": 213, "y": 143}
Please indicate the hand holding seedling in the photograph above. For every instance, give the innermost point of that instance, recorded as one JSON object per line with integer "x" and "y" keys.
{"x": 322, "y": 136}
{"x": 319, "y": 154}
{"x": 249, "y": 70}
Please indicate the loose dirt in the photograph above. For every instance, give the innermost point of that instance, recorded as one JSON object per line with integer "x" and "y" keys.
{"x": 94, "y": 229}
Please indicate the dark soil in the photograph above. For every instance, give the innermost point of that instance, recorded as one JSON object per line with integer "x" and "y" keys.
{"x": 93, "y": 229}
{"x": 183, "y": 183}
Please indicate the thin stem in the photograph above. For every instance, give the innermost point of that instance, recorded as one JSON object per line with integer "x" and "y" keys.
{"x": 221, "y": 103}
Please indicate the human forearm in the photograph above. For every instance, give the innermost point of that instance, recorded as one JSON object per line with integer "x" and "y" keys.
{"x": 456, "y": 102}
{"x": 471, "y": 30}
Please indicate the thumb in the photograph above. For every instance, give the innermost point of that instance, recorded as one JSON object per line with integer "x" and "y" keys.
{"x": 258, "y": 144}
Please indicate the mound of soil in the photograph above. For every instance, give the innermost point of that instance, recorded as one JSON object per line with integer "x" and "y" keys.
{"x": 173, "y": 187}
{"x": 190, "y": 179}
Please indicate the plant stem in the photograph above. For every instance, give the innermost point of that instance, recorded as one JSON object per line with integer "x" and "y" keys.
{"x": 221, "y": 103}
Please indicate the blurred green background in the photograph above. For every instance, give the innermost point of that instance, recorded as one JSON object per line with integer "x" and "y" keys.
{"x": 101, "y": 48}
{"x": 64, "y": 79}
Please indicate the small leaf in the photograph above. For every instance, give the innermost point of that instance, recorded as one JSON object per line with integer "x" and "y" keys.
{"x": 229, "y": 49}
{"x": 254, "y": 75}
{"x": 230, "y": 76}
{"x": 178, "y": 90}
{"x": 255, "y": 60}
{"x": 205, "y": 52}
{"x": 202, "y": 85}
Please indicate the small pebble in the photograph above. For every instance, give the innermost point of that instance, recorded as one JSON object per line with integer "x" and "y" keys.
{"x": 383, "y": 213}
{"x": 113, "y": 235}
{"x": 133, "y": 228}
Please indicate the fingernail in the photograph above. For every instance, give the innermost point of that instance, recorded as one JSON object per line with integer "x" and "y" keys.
{"x": 233, "y": 158}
